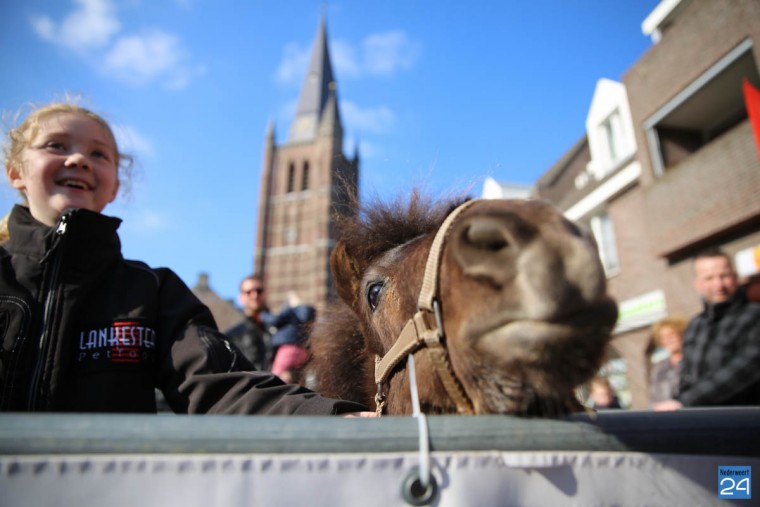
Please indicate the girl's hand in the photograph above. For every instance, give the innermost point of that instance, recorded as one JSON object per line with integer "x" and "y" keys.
{"x": 667, "y": 406}
{"x": 359, "y": 414}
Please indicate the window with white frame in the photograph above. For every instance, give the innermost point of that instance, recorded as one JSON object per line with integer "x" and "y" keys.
{"x": 609, "y": 130}
{"x": 604, "y": 233}
{"x": 612, "y": 134}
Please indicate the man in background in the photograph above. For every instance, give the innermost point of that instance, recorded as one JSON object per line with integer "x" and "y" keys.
{"x": 721, "y": 349}
{"x": 251, "y": 336}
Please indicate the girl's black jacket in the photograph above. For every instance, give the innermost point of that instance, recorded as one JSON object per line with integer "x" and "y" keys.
{"x": 84, "y": 330}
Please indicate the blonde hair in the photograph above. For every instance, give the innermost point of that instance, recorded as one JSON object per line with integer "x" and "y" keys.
{"x": 20, "y": 137}
{"x": 4, "y": 235}
{"x": 676, "y": 322}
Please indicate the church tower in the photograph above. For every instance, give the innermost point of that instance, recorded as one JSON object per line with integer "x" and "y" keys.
{"x": 305, "y": 182}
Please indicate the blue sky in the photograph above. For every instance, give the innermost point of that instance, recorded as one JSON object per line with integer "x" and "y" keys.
{"x": 436, "y": 93}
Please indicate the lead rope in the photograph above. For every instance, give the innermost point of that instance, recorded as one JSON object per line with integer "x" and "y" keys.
{"x": 419, "y": 487}
{"x": 422, "y": 426}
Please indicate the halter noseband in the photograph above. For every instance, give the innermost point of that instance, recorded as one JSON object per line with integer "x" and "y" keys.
{"x": 425, "y": 328}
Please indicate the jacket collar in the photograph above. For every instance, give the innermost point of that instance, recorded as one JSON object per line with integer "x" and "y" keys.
{"x": 91, "y": 234}
{"x": 716, "y": 311}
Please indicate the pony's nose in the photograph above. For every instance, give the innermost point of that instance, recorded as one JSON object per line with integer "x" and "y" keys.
{"x": 487, "y": 247}
{"x": 487, "y": 236}
{"x": 534, "y": 257}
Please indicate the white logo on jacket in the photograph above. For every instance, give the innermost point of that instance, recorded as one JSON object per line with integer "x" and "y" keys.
{"x": 121, "y": 342}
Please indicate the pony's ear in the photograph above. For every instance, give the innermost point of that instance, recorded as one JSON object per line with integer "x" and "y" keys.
{"x": 347, "y": 274}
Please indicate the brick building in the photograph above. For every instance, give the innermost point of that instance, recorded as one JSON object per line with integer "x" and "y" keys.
{"x": 305, "y": 181}
{"x": 668, "y": 166}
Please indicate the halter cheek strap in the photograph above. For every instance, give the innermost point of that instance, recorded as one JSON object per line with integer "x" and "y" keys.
{"x": 425, "y": 328}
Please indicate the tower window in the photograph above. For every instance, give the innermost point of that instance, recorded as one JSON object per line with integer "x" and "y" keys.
{"x": 305, "y": 176}
{"x": 291, "y": 177}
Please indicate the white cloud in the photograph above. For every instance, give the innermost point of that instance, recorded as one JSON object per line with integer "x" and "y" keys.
{"x": 368, "y": 119}
{"x": 137, "y": 59}
{"x": 380, "y": 54}
{"x": 90, "y": 25}
{"x": 385, "y": 53}
{"x": 344, "y": 59}
{"x": 141, "y": 58}
{"x": 293, "y": 66}
{"x": 367, "y": 149}
{"x": 182, "y": 76}
{"x": 44, "y": 27}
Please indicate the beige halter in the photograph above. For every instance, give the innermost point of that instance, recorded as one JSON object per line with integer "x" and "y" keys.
{"x": 425, "y": 329}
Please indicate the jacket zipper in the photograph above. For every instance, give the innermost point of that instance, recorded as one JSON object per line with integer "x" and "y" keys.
{"x": 49, "y": 295}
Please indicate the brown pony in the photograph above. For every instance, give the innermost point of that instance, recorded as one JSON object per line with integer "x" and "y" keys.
{"x": 522, "y": 313}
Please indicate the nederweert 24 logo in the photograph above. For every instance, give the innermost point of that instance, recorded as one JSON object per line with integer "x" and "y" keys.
{"x": 735, "y": 482}
{"x": 123, "y": 341}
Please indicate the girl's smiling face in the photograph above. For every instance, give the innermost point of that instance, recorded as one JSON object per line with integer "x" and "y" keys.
{"x": 70, "y": 162}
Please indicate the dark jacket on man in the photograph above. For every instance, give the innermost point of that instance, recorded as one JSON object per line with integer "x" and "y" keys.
{"x": 253, "y": 339}
{"x": 84, "y": 330}
{"x": 721, "y": 355}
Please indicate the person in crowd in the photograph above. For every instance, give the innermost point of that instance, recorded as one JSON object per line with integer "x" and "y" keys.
{"x": 83, "y": 329}
{"x": 601, "y": 394}
{"x": 291, "y": 328}
{"x": 252, "y": 335}
{"x": 721, "y": 348}
{"x": 666, "y": 373}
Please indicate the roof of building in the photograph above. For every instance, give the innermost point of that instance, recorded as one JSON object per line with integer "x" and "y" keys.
{"x": 225, "y": 313}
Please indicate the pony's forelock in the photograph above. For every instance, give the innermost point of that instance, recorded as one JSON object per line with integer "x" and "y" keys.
{"x": 380, "y": 226}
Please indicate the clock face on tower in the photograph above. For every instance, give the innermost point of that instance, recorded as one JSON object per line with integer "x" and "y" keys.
{"x": 304, "y": 127}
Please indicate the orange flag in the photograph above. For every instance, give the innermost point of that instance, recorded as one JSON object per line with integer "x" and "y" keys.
{"x": 752, "y": 101}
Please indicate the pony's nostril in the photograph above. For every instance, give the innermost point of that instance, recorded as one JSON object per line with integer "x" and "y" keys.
{"x": 486, "y": 235}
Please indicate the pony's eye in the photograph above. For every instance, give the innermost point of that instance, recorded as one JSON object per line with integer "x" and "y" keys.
{"x": 373, "y": 294}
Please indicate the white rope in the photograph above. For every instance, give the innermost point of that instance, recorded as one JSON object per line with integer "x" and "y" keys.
{"x": 422, "y": 426}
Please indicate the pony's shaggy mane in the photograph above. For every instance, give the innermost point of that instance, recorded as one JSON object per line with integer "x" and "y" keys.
{"x": 380, "y": 226}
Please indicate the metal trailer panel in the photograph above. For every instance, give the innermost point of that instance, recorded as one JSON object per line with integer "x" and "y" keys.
{"x": 615, "y": 458}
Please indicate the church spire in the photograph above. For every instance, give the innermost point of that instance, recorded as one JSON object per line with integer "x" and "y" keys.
{"x": 329, "y": 124}
{"x": 318, "y": 87}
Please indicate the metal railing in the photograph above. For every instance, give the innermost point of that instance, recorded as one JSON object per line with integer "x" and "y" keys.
{"x": 713, "y": 431}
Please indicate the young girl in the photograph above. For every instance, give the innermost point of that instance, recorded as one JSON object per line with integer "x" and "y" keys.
{"x": 84, "y": 330}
